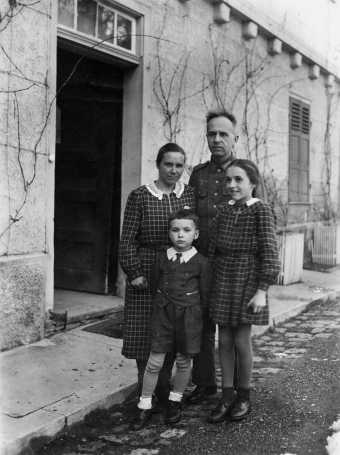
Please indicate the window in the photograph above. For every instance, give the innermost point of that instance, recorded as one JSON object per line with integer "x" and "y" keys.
{"x": 100, "y": 21}
{"x": 299, "y": 128}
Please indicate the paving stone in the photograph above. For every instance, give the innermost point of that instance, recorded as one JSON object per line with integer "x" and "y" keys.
{"x": 280, "y": 329}
{"x": 296, "y": 351}
{"x": 115, "y": 439}
{"x": 323, "y": 335}
{"x": 267, "y": 370}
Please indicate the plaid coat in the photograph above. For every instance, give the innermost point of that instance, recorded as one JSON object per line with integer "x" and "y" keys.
{"x": 245, "y": 258}
{"x": 145, "y": 231}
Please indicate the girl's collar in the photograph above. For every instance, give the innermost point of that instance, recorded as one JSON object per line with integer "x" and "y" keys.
{"x": 250, "y": 201}
{"x": 155, "y": 191}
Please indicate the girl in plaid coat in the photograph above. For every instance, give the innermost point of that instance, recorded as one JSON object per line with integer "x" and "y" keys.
{"x": 144, "y": 232}
{"x": 245, "y": 262}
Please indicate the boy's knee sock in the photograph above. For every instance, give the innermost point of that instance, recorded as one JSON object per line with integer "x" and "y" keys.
{"x": 175, "y": 396}
{"x": 145, "y": 403}
{"x": 152, "y": 369}
{"x": 183, "y": 372}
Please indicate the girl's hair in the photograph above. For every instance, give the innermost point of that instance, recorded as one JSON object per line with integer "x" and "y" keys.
{"x": 169, "y": 147}
{"x": 184, "y": 214}
{"x": 250, "y": 169}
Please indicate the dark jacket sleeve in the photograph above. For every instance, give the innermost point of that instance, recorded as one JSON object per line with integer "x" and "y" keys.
{"x": 128, "y": 246}
{"x": 205, "y": 281}
{"x": 268, "y": 257}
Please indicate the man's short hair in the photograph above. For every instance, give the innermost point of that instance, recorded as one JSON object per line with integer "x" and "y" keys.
{"x": 221, "y": 113}
{"x": 184, "y": 214}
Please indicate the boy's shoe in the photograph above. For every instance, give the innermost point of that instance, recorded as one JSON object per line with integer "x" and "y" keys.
{"x": 141, "y": 419}
{"x": 173, "y": 412}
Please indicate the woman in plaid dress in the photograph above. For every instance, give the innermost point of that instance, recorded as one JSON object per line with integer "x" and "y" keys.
{"x": 145, "y": 231}
{"x": 245, "y": 262}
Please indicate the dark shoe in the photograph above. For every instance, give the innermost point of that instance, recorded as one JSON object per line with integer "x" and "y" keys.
{"x": 240, "y": 409}
{"x": 221, "y": 412}
{"x": 141, "y": 419}
{"x": 173, "y": 412}
{"x": 200, "y": 394}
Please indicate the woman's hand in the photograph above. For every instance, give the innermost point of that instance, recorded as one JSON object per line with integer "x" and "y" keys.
{"x": 139, "y": 283}
{"x": 258, "y": 301}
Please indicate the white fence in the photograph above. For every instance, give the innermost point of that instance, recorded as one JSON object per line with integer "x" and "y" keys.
{"x": 326, "y": 244}
{"x": 291, "y": 246}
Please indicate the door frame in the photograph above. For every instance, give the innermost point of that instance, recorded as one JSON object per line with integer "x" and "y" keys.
{"x": 135, "y": 86}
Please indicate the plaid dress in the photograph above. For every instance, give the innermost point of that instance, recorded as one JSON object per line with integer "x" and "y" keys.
{"x": 245, "y": 258}
{"x": 145, "y": 231}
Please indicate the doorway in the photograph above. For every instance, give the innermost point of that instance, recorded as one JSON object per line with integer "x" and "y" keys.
{"x": 87, "y": 174}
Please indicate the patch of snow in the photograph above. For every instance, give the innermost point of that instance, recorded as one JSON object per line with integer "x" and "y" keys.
{"x": 144, "y": 452}
{"x": 172, "y": 433}
{"x": 333, "y": 442}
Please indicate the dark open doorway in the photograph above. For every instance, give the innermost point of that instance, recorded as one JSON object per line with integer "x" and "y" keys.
{"x": 88, "y": 174}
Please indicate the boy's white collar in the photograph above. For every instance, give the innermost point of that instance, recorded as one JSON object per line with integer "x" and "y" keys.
{"x": 186, "y": 255}
{"x": 250, "y": 201}
{"x": 155, "y": 191}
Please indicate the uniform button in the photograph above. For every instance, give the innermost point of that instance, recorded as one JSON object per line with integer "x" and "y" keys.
{"x": 219, "y": 170}
{"x": 214, "y": 206}
{"x": 217, "y": 181}
{"x": 215, "y": 194}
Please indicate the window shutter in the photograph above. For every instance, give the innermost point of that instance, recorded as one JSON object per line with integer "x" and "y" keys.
{"x": 299, "y": 129}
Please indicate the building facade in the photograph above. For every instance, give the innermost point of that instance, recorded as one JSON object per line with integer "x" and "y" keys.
{"x": 90, "y": 89}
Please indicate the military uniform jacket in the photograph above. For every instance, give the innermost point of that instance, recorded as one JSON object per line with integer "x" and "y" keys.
{"x": 209, "y": 183}
{"x": 180, "y": 293}
{"x": 244, "y": 255}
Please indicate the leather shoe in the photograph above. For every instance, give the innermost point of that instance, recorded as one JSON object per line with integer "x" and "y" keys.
{"x": 221, "y": 412}
{"x": 141, "y": 419}
{"x": 240, "y": 409}
{"x": 173, "y": 412}
{"x": 200, "y": 394}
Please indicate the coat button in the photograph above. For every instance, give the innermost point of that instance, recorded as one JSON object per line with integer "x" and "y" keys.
{"x": 215, "y": 194}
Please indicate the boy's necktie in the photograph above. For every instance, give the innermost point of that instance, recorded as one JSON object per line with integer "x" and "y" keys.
{"x": 178, "y": 257}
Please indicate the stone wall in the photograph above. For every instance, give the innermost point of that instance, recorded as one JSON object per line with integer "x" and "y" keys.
{"x": 192, "y": 47}
{"x": 27, "y": 132}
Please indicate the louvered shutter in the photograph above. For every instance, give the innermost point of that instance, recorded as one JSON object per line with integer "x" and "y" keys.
{"x": 299, "y": 128}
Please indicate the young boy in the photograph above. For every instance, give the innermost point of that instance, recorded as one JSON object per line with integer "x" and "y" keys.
{"x": 180, "y": 283}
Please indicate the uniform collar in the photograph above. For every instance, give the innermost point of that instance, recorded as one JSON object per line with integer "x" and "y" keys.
{"x": 186, "y": 255}
{"x": 214, "y": 166}
{"x": 250, "y": 201}
{"x": 155, "y": 191}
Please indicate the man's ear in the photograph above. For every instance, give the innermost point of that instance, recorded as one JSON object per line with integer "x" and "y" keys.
{"x": 236, "y": 139}
{"x": 197, "y": 233}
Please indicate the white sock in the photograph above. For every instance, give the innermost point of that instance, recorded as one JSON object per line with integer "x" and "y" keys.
{"x": 175, "y": 396}
{"x": 145, "y": 403}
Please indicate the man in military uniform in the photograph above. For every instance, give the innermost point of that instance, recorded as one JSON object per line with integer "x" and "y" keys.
{"x": 209, "y": 181}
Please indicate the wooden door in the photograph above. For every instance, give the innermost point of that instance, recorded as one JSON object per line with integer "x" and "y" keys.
{"x": 88, "y": 165}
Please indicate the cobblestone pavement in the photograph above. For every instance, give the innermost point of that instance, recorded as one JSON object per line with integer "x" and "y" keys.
{"x": 276, "y": 354}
